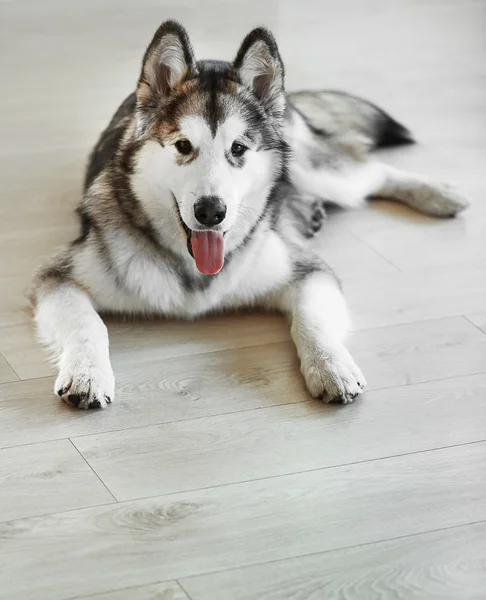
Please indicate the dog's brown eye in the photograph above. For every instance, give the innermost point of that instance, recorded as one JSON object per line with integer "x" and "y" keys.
{"x": 238, "y": 149}
{"x": 184, "y": 146}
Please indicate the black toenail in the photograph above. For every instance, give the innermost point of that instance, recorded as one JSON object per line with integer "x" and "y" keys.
{"x": 337, "y": 400}
{"x": 108, "y": 399}
{"x": 95, "y": 404}
{"x": 74, "y": 399}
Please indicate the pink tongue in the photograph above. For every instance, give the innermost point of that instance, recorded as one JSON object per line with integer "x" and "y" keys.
{"x": 208, "y": 251}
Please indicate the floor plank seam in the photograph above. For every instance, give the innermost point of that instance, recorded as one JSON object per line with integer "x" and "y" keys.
{"x": 237, "y": 412}
{"x": 305, "y": 400}
{"x": 474, "y": 324}
{"x": 337, "y": 549}
{"x": 179, "y": 580}
{"x": 235, "y": 483}
{"x": 402, "y": 324}
{"x": 60, "y": 439}
{"x": 304, "y": 471}
{"x": 13, "y": 370}
{"x": 351, "y": 333}
{"x": 95, "y": 473}
{"x": 128, "y": 588}
{"x": 375, "y": 251}
{"x": 309, "y": 400}
{"x": 179, "y": 583}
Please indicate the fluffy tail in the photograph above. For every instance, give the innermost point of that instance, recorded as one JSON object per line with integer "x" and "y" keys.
{"x": 339, "y": 114}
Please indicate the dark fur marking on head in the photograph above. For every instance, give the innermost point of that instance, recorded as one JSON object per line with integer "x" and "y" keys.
{"x": 213, "y": 80}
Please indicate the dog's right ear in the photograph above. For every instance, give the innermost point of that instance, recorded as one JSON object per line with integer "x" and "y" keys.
{"x": 167, "y": 63}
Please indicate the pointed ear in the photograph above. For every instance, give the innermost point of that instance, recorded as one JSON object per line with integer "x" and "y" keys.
{"x": 167, "y": 63}
{"x": 258, "y": 66}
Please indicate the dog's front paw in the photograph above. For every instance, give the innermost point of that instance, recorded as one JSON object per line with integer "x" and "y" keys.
{"x": 442, "y": 200}
{"x": 85, "y": 381}
{"x": 332, "y": 375}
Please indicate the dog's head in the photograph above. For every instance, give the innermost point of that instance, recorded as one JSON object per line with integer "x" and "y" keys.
{"x": 212, "y": 140}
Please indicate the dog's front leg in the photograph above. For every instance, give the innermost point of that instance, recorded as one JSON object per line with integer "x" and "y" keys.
{"x": 69, "y": 325}
{"x": 319, "y": 322}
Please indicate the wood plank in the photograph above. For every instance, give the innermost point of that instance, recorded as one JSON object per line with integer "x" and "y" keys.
{"x": 435, "y": 243}
{"x": 167, "y": 372}
{"x": 159, "y": 391}
{"x": 286, "y": 439}
{"x": 13, "y": 305}
{"x": 157, "y": 591}
{"x": 193, "y": 533}
{"x": 349, "y": 256}
{"x": 404, "y": 354}
{"x": 417, "y": 295}
{"x": 156, "y": 392}
{"x": 145, "y": 340}
{"x": 6, "y": 372}
{"x": 46, "y": 478}
{"x": 445, "y": 565}
{"x": 383, "y": 302}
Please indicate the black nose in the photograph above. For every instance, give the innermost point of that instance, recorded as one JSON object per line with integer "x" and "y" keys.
{"x": 210, "y": 210}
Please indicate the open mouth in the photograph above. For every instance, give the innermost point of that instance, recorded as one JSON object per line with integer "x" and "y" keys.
{"x": 206, "y": 247}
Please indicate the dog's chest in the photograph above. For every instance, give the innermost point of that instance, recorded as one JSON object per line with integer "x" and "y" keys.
{"x": 155, "y": 285}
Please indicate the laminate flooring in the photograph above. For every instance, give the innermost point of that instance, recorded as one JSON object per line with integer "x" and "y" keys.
{"x": 215, "y": 476}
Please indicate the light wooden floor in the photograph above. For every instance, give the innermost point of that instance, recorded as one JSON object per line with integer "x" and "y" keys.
{"x": 215, "y": 476}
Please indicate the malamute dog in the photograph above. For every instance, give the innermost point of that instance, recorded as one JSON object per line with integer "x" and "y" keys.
{"x": 201, "y": 195}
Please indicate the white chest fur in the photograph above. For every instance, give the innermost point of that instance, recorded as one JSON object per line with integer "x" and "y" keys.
{"x": 140, "y": 282}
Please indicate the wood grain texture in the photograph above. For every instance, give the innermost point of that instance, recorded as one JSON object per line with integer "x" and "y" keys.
{"x": 157, "y": 591}
{"x": 219, "y": 400}
{"x": 46, "y": 478}
{"x": 446, "y": 565}
{"x": 157, "y": 392}
{"x": 458, "y": 241}
{"x": 417, "y": 295}
{"x": 422, "y": 351}
{"x": 137, "y": 342}
{"x": 237, "y": 525}
{"x": 285, "y": 439}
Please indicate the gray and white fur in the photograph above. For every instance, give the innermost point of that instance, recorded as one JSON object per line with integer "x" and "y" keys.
{"x": 218, "y": 152}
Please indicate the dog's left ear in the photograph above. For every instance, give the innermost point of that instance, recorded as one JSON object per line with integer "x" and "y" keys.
{"x": 167, "y": 63}
{"x": 259, "y": 67}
